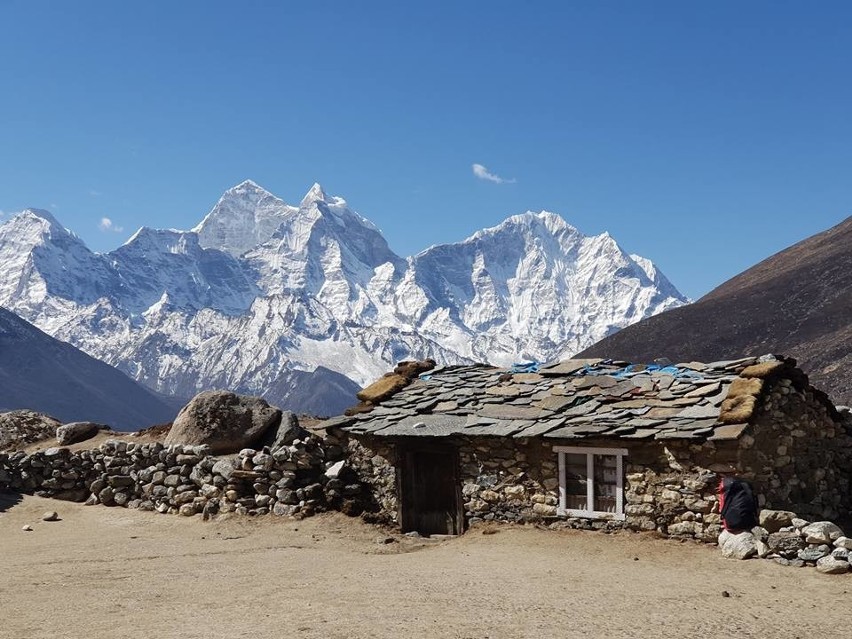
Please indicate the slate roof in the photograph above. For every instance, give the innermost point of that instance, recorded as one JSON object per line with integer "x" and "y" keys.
{"x": 572, "y": 399}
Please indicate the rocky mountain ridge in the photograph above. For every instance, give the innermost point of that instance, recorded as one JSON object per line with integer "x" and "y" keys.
{"x": 267, "y": 298}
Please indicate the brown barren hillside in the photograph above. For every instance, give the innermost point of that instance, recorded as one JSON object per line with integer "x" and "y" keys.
{"x": 797, "y": 303}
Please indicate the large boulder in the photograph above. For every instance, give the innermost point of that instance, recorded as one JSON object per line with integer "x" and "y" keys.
{"x": 77, "y": 432}
{"x": 224, "y": 421}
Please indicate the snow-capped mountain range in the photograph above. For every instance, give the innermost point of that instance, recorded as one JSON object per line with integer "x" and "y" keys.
{"x": 304, "y": 303}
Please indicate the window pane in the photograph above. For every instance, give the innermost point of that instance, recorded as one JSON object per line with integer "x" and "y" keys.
{"x": 606, "y": 483}
{"x": 575, "y": 482}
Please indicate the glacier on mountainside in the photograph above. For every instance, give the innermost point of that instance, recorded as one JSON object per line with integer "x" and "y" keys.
{"x": 268, "y": 298}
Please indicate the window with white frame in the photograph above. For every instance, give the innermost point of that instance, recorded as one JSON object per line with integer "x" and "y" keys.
{"x": 591, "y": 482}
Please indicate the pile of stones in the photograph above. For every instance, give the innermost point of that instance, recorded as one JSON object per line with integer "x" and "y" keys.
{"x": 297, "y": 479}
{"x": 19, "y": 428}
{"x": 791, "y": 541}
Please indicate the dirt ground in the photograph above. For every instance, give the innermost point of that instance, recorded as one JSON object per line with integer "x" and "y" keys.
{"x": 111, "y": 572}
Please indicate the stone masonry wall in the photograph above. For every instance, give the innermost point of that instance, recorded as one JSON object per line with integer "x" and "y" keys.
{"x": 799, "y": 454}
{"x": 374, "y": 466}
{"x": 298, "y": 479}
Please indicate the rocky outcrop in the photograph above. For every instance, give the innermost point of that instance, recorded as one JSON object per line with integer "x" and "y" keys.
{"x": 19, "y": 428}
{"x": 223, "y": 421}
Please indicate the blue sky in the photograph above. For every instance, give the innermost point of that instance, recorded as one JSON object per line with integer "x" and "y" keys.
{"x": 705, "y": 136}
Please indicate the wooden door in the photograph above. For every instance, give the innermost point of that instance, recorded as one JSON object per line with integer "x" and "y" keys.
{"x": 430, "y": 495}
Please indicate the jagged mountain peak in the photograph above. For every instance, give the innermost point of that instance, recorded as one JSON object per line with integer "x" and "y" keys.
{"x": 35, "y": 219}
{"x": 244, "y": 217}
{"x": 248, "y": 187}
{"x": 33, "y": 228}
{"x": 315, "y": 194}
{"x": 43, "y": 214}
{"x": 168, "y": 240}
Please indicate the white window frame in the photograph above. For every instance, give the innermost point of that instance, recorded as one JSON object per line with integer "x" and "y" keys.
{"x": 619, "y": 454}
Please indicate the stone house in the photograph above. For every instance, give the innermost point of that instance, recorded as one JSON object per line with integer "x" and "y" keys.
{"x": 596, "y": 444}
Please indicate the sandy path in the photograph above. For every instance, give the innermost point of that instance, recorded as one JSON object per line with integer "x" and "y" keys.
{"x": 103, "y": 572}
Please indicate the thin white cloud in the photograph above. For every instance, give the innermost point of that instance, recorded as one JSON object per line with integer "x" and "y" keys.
{"x": 95, "y": 193}
{"x": 484, "y": 174}
{"x": 107, "y": 226}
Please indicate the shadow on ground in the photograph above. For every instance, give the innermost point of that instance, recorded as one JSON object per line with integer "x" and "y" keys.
{"x": 9, "y": 499}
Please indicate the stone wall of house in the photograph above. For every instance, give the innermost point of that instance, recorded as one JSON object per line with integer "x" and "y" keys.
{"x": 671, "y": 487}
{"x": 666, "y": 489}
{"x": 797, "y": 454}
{"x": 508, "y": 480}
{"x": 299, "y": 479}
{"x": 374, "y": 468}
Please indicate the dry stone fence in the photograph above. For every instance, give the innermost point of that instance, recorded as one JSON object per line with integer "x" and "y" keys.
{"x": 300, "y": 478}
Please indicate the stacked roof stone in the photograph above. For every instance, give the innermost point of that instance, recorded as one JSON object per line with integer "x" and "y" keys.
{"x": 576, "y": 399}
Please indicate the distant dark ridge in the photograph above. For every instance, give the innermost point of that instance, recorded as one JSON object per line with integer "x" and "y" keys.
{"x": 797, "y": 302}
{"x": 49, "y": 376}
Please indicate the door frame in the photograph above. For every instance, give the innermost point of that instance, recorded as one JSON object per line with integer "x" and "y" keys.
{"x": 406, "y": 448}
